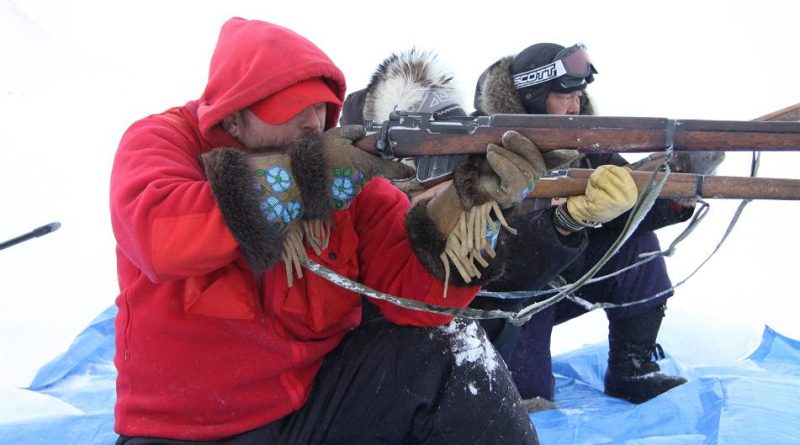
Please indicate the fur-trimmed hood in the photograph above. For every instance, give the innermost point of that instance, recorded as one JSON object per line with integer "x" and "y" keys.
{"x": 495, "y": 92}
{"x": 410, "y": 81}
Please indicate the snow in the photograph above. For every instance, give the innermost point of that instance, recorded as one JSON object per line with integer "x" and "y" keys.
{"x": 469, "y": 346}
{"x": 76, "y": 74}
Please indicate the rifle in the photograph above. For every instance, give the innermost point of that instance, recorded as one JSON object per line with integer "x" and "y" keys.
{"x": 408, "y": 134}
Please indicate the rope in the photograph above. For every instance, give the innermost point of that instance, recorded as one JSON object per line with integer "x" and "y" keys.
{"x": 699, "y": 215}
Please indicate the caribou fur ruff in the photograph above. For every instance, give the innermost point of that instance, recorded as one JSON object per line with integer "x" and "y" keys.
{"x": 401, "y": 81}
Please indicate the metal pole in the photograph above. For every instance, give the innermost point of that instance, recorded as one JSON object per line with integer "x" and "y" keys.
{"x": 35, "y": 233}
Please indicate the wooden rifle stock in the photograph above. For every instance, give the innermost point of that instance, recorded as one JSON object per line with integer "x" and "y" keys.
{"x": 679, "y": 185}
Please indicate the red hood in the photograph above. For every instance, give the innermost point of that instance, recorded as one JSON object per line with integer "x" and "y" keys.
{"x": 255, "y": 59}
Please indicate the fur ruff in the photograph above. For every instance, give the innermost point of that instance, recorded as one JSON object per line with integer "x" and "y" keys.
{"x": 401, "y": 81}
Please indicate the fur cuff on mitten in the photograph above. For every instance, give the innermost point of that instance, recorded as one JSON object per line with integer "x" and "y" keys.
{"x": 312, "y": 170}
{"x": 231, "y": 182}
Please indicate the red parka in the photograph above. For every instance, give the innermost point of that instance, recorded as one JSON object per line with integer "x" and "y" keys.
{"x": 201, "y": 354}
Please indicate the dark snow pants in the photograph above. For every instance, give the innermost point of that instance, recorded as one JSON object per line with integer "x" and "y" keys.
{"x": 389, "y": 384}
{"x": 527, "y": 350}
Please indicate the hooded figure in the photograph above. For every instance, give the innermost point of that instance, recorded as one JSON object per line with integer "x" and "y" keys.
{"x": 213, "y": 341}
{"x": 547, "y": 78}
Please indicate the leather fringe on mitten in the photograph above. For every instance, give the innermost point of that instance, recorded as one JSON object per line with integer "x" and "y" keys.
{"x": 442, "y": 234}
{"x": 469, "y": 241}
{"x": 315, "y": 233}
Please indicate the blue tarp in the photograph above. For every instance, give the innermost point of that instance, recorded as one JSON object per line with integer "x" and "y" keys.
{"x": 754, "y": 401}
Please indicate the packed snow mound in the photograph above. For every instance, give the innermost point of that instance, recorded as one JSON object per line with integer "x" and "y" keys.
{"x": 754, "y": 400}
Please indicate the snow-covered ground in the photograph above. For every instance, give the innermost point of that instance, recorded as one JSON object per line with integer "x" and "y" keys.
{"x": 74, "y": 75}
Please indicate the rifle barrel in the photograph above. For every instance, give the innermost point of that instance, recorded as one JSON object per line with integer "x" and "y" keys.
{"x": 596, "y": 134}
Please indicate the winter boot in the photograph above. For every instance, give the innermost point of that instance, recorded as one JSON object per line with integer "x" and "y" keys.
{"x": 632, "y": 372}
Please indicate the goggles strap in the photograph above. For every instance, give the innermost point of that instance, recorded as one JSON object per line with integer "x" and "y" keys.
{"x": 539, "y": 75}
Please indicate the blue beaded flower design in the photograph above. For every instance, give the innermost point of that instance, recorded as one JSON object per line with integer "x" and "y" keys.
{"x": 278, "y": 178}
{"x": 347, "y": 183}
{"x": 273, "y": 208}
{"x": 294, "y": 210}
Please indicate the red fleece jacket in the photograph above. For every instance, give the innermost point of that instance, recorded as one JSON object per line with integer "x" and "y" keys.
{"x": 201, "y": 353}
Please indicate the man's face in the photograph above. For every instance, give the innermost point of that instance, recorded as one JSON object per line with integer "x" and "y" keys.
{"x": 564, "y": 103}
{"x": 257, "y": 135}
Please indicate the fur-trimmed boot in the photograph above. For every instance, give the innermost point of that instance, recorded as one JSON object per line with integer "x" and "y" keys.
{"x": 633, "y": 373}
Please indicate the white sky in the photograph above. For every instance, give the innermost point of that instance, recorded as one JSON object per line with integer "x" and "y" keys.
{"x": 75, "y": 74}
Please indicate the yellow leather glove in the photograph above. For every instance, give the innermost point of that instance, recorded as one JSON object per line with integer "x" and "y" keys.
{"x": 610, "y": 192}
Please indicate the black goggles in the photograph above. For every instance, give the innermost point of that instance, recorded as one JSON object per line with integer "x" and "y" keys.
{"x": 571, "y": 67}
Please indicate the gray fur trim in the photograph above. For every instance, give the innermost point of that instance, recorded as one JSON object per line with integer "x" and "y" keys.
{"x": 231, "y": 182}
{"x": 587, "y": 106}
{"x": 311, "y": 170}
{"x": 401, "y": 81}
{"x": 498, "y": 94}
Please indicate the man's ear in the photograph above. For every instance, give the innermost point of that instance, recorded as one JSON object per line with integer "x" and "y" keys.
{"x": 232, "y": 123}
